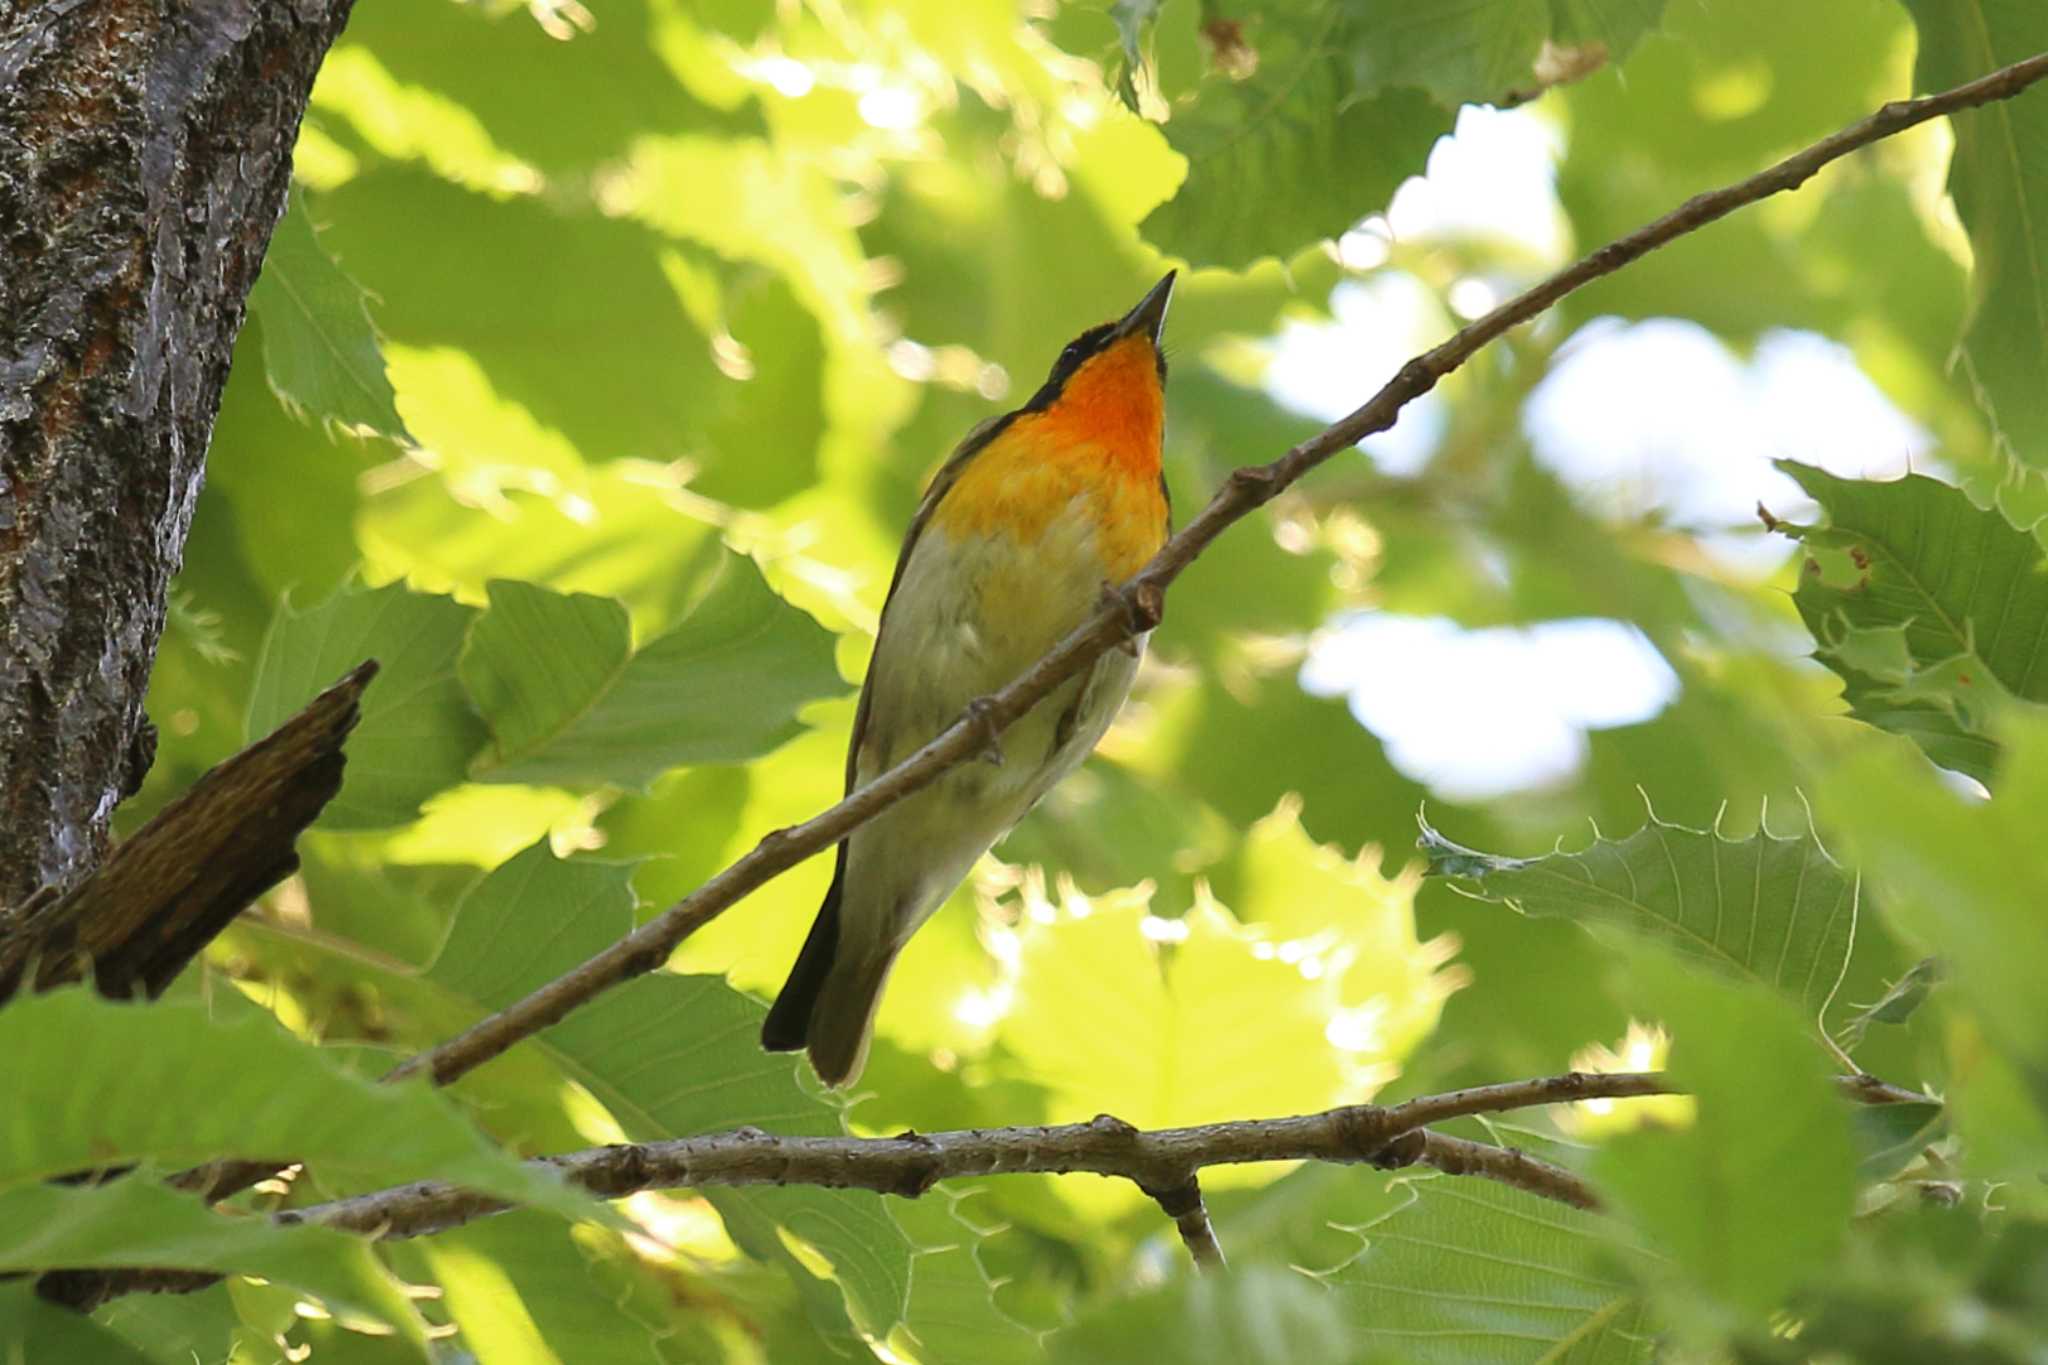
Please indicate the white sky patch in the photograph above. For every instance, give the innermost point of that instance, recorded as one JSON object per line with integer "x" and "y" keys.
{"x": 1477, "y": 714}
{"x": 1494, "y": 178}
{"x": 1661, "y": 416}
{"x": 1325, "y": 369}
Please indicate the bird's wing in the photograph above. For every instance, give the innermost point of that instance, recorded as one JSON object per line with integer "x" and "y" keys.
{"x": 949, "y": 473}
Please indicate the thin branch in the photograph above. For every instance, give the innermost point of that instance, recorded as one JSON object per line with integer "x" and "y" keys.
{"x": 1191, "y": 1219}
{"x": 1508, "y": 1165}
{"x": 1139, "y": 604}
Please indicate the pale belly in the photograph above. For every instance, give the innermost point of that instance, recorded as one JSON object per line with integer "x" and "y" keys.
{"x": 968, "y": 616}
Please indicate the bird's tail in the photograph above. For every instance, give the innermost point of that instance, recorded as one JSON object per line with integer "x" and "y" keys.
{"x": 788, "y": 1024}
{"x": 843, "y": 1018}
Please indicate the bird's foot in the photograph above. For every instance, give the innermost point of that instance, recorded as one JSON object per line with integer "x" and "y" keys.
{"x": 982, "y": 712}
{"x": 1135, "y": 626}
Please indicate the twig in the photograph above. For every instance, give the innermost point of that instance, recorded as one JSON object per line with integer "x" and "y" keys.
{"x": 1140, "y": 602}
{"x": 1191, "y": 1219}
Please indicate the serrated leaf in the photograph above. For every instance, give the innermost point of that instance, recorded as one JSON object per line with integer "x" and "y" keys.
{"x": 321, "y": 352}
{"x": 1469, "y": 1270}
{"x": 137, "y": 1221}
{"x": 1755, "y": 1194}
{"x": 1778, "y": 911}
{"x": 568, "y": 702}
{"x": 1999, "y": 180}
{"x": 1933, "y": 611}
{"x": 418, "y": 730}
{"x": 1291, "y": 153}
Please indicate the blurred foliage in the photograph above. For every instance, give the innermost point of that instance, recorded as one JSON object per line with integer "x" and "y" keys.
{"x": 592, "y": 378}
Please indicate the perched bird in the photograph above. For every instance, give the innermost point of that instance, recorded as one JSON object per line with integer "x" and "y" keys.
{"x": 1021, "y": 530}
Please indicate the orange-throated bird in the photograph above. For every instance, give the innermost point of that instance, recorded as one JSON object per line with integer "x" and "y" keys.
{"x": 1036, "y": 511}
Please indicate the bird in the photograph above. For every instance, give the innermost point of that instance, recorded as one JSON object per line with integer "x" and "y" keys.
{"x": 1034, "y": 517}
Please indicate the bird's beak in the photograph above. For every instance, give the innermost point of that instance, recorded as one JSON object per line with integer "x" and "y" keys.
{"x": 1149, "y": 317}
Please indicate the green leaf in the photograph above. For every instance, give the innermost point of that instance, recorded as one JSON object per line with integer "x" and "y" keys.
{"x": 166, "y": 1084}
{"x": 1898, "y": 1004}
{"x": 952, "y": 1313}
{"x": 521, "y": 1287}
{"x": 136, "y": 1221}
{"x": 569, "y": 703}
{"x": 1463, "y": 52}
{"x": 1257, "y": 1316}
{"x": 1752, "y": 1198}
{"x": 1291, "y": 153}
{"x": 1777, "y": 911}
{"x": 418, "y": 730}
{"x": 1891, "y": 1136}
{"x": 1934, "y": 612}
{"x": 1290, "y": 1044}
{"x": 670, "y": 1056}
{"x": 1999, "y": 180}
{"x": 1469, "y": 1270}
{"x": 1962, "y": 877}
{"x": 32, "y": 1329}
{"x": 320, "y": 349}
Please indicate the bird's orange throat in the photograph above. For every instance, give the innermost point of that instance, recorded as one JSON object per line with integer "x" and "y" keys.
{"x": 1114, "y": 403}
{"x": 1097, "y": 443}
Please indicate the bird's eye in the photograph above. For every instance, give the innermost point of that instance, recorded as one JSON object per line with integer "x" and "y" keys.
{"x": 1071, "y": 354}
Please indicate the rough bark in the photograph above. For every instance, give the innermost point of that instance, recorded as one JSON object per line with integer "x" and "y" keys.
{"x": 145, "y": 147}
{"x": 163, "y": 894}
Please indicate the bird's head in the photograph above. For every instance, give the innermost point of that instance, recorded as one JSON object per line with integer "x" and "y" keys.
{"x": 1109, "y": 384}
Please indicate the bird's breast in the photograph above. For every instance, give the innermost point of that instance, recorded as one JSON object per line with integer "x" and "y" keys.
{"x": 1040, "y": 488}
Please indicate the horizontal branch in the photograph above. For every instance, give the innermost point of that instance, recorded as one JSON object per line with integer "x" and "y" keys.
{"x": 1164, "y": 1162}
{"x": 1140, "y": 603}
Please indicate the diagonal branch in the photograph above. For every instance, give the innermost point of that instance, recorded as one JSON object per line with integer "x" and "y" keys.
{"x": 1139, "y": 604}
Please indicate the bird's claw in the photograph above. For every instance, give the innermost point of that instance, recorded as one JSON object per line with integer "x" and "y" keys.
{"x": 1113, "y": 598}
{"x": 982, "y": 711}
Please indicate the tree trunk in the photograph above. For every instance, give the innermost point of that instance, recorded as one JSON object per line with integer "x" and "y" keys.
{"x": 145, "y": 147}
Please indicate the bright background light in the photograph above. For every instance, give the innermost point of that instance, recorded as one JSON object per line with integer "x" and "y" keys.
{"x": 1658, "y": 417}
